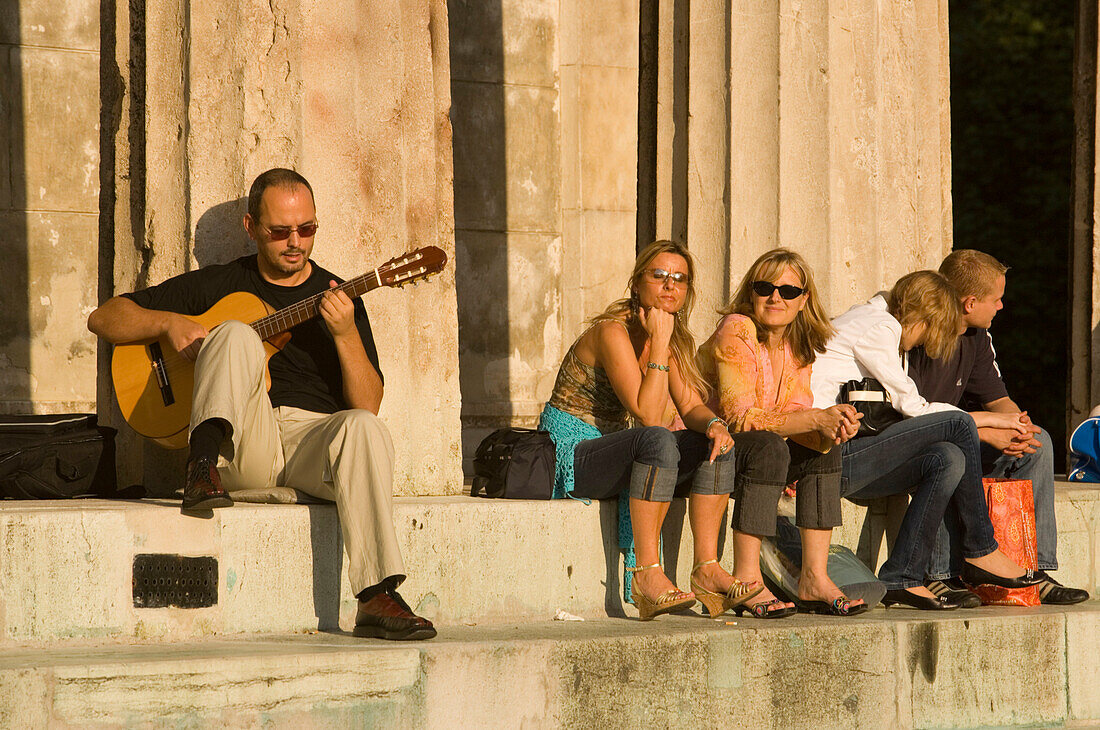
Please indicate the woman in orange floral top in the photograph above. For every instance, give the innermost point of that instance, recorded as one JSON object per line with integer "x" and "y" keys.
{"x": 758, "y": 362}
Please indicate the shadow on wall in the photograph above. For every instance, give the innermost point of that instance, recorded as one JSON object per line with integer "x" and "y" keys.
{"x": 220, "y": 236}
{"x": 14, "y": 213}
{"x": 481, "y": 215}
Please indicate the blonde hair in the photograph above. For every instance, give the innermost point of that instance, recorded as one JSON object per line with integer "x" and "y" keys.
{"x": 972, "y": 273}
{"x": 682, "y": 344}
{"x": 926, "y": 296}
{"x": 810, "y": 330}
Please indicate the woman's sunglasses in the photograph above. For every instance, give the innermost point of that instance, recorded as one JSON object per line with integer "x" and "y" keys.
{"x": 787, "y": 291}
{"x": 662, "y": 276}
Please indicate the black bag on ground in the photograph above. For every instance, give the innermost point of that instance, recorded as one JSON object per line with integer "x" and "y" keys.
{"x": 56, "y": 457}
{"x": 515, "y": 463}
{"x": 871, "y": 399}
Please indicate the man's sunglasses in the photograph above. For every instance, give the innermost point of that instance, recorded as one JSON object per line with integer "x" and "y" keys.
{"x": 787, "y": 291}
{"x": 281, "y": 233}
{"x": 677, "y": 277}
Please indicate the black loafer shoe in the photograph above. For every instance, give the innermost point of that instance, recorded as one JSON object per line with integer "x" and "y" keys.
{"x": 975, "y": 576}
{"x": 1053, "y": 593}
{"x": 203, "y": 489}
{"x": 902, "y": 597}
{"x": 386, "y": 616}
{"x": 951, "y": 590}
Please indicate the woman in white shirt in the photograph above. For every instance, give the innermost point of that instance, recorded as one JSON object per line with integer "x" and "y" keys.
{"x": 933, "y": 453}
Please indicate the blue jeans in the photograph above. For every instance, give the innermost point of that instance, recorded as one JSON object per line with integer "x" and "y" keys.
{"x": 1039, "y": 468}
{"x": 936, "y": 459}
{"x": 649, "y": 462}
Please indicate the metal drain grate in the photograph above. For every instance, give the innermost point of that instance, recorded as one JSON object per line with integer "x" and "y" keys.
{"x": 162, "y": 580}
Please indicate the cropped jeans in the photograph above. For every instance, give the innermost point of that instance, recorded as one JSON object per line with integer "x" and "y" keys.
{"x": 650, "y": 463}
{"x": 934, "y": 458}
{"x": 1039, "y": 468}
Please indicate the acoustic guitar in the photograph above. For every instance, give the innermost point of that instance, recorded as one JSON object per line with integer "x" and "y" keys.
{"x": 154, "y": 383}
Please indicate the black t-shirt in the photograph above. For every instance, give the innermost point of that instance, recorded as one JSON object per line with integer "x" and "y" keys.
{"x": 305, "y": 373}
{"x": 970, "y": 378}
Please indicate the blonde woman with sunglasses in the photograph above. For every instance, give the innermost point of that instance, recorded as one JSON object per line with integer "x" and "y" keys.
{"x": 619, "y": 389}
{"x": 758, "y": 363}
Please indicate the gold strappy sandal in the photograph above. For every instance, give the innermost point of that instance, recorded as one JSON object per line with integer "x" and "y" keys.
{"x": 671, "y": 600}
{"x": 719, "y": 603}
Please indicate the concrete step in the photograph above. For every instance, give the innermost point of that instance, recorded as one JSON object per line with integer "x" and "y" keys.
{"x": 67, "y": 569}
{"x": 889, "y": 668}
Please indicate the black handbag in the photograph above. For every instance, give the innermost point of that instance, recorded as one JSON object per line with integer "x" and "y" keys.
{"x": 871, "y": 399}
{"x": 56, "y": 457}
{"x": 515, "y": 463}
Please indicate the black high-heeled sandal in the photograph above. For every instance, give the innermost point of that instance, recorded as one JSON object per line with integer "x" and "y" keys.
{"x": 975, "y": 576}
{"x": 902, "y": 597}
{"x": 839, "y": 606}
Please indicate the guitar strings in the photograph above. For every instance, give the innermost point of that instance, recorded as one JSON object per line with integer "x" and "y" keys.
{"x": 298, "y": 312}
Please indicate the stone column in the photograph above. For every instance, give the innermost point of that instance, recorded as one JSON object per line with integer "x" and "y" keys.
{"x": 49, "y": 200}
{"x": 355, "y": 96}
{"x": 545, "y": 109}
{"x": 505, "y": 82}
{"x": 1084, "y": 385}
{"x": 822, "y": 126}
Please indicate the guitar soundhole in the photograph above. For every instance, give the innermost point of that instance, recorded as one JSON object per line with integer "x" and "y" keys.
{"x": 164, "y": 580}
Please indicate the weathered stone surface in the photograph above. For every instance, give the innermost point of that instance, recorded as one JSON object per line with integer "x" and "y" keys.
{"x": 61, "y": 574}
{"x": 1083, "y": 663}
{"x": 11, "y": 119}
{"x": 958, "y": 674}
{"x": 58, "y": 129}
{"x": 60, "y": 269}
{"x": 607, "y": 35}
{"x": 1077, "y": 510}
{"x": 507, "y": 268}
{"x": 286, "y": 689}
{"x": 608, "y": 99}
{"x": 74, "y": 25}
{"x": 503, "y": 182}
{"x": 512, "y": 41}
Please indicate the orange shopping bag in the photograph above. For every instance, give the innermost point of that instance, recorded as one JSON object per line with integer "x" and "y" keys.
{"x": 1012, "y": 512}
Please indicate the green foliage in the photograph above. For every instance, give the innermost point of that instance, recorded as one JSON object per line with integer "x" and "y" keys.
{"x": 1012, "y": 137}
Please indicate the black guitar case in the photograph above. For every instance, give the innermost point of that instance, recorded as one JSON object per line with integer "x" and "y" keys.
{"x": 56, "y": 457}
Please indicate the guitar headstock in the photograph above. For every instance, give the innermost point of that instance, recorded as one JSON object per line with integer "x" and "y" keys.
{"x": 411, "y": 267}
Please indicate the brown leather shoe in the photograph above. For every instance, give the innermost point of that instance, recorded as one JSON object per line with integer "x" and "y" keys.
{"x": 203, "y": 488}
{"x": 386, "y": 616}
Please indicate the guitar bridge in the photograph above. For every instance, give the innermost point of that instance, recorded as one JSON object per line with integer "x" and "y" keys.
{"x": 156, "y": 355}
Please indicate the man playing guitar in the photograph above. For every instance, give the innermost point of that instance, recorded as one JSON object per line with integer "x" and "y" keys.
{"x": 317, "y": 429}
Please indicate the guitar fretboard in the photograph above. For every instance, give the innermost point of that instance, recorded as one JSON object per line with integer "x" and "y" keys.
{"x": 308, "y": 308}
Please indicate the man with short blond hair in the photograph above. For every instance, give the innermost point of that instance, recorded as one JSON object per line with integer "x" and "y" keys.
{"x": 971, "y": 379}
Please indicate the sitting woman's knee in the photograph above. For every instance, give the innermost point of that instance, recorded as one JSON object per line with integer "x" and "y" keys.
{"x": 655, "y": 445}
{"x": 946, "y": 462}
{"x": 763, "y": 448}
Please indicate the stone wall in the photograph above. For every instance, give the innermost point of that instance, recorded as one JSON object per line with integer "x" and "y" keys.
{"x": 355, "y": 96}
{"x": 544, "y": 109}
{"x": 820, "y": 126}
{"x": 49, "y": 200}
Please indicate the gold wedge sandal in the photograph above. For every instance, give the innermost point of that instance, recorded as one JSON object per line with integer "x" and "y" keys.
{"x": 671, "y": 600}
{"x": 719, "y": 603}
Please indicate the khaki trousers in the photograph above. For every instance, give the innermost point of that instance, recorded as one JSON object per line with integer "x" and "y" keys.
{"x": 345, "y": 457}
